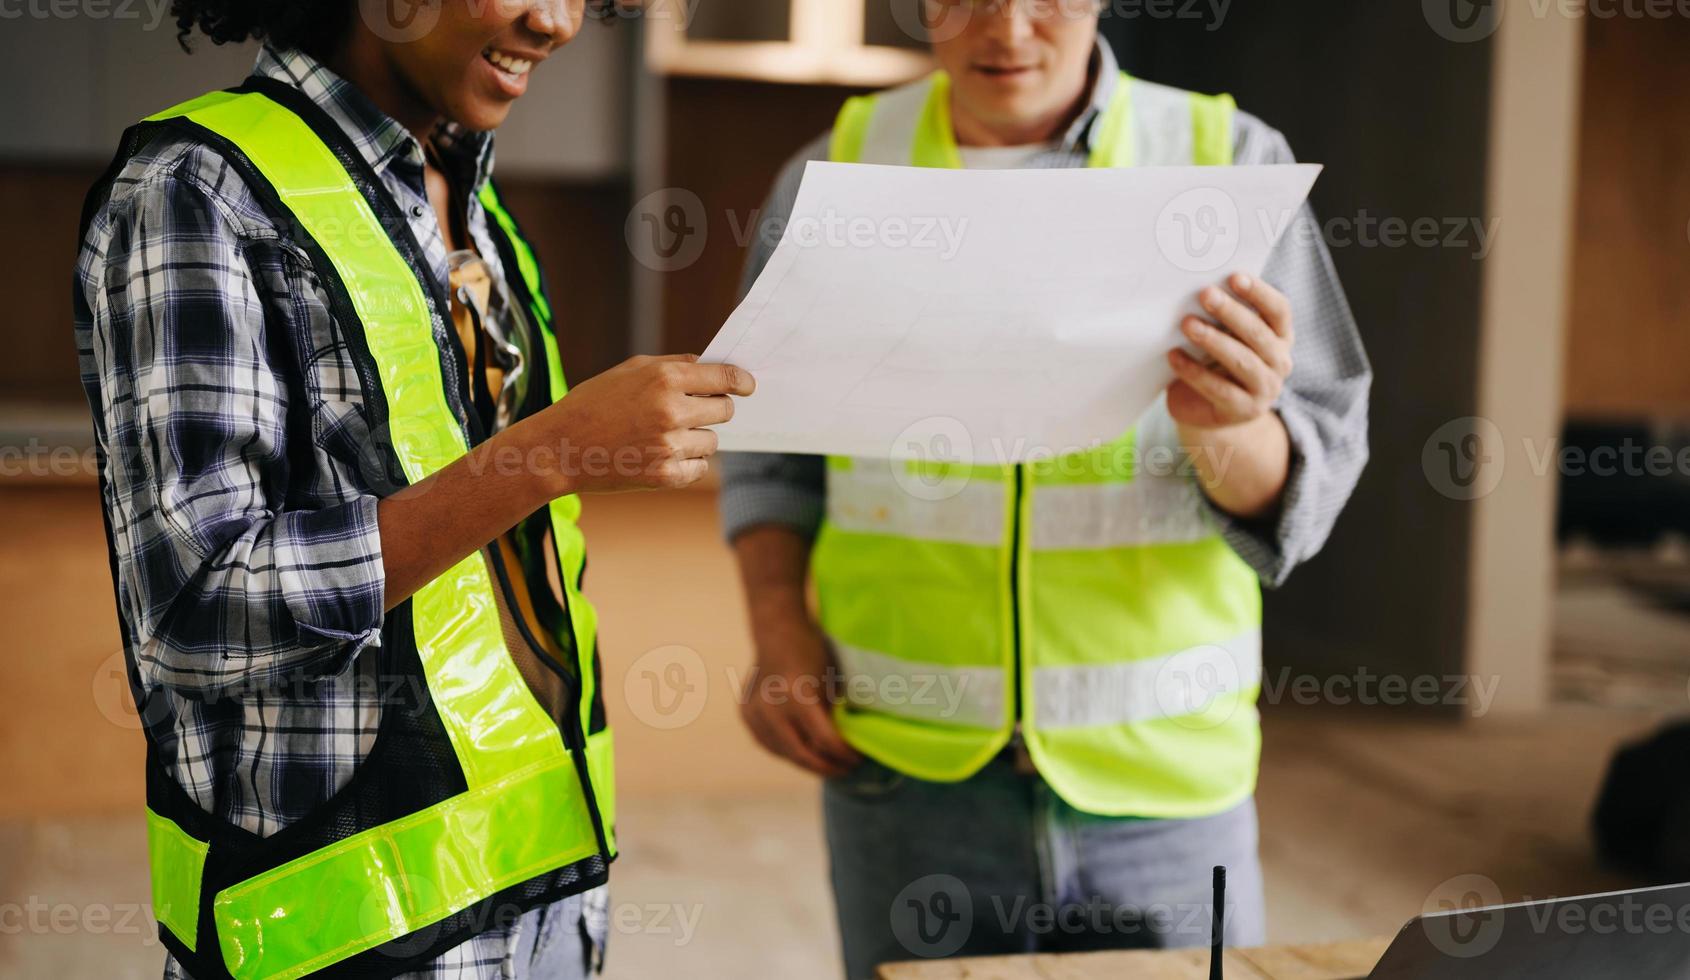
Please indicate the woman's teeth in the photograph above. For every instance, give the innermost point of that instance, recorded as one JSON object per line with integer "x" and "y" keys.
{"x": 514, "y": 66}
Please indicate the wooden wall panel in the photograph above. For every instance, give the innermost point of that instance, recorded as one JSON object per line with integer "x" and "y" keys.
{"x": 577, "y": 229}
{"x": 1628, "y": 343}
{"x": 727, "y": 141}
{"x": 41, "y": 205}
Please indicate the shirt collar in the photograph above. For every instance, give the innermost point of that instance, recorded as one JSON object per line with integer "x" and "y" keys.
{"x": 1106, "y": 77}
{"x": 380, "y": 140}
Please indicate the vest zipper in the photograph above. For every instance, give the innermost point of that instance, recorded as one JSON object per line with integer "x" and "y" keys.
{"x": 496, "y": 550}
{"x": 1015, "y": 592}
{"x": 574, "y": 735}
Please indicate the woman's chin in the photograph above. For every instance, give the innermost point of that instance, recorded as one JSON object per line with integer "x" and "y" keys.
{"x": 480, "y": 113}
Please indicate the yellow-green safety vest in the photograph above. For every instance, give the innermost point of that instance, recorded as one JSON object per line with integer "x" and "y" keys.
{"x": 480, "y": 798}
{"x": 1087, "y": 599}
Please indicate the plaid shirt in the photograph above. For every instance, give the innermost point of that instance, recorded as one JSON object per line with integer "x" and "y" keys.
{"x": 224, "y": 394}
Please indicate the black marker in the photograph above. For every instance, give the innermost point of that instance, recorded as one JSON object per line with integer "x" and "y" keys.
{"x": 1217, "y": 915}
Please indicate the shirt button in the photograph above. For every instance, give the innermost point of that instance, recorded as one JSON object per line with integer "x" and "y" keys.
{"x": 416, "y": 210}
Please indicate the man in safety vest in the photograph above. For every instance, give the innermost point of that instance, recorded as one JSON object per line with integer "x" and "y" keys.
{"x": 340, "y": 474}
{"x": 1033, "y": 694}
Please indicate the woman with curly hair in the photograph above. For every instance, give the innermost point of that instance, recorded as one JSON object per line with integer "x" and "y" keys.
{"x": 340, "y": 467}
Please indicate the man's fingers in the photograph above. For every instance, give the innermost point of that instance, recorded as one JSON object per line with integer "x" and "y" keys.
{"x": 780, "y": 739}
{"x": 1248, "y": 326}
{"x": 1216, "y": 388}
{"x": 775, "y": 729}
{"x": 676, "y": 472}
{"x": 1191, "y": 408}
{"x": 1273, "y": 305}
{"x": 1237, "y": 359}
{"x": 815, "y": 723}
{"x": 716, "y": 379}
{"x": 737, "y": 380}
{"x": 702, "y": 410}
{"x": 796, "y": 748}
{"x": 693, "y": 444}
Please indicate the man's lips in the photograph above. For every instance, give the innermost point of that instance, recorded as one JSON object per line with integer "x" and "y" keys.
{"x": 1005, "y": 71}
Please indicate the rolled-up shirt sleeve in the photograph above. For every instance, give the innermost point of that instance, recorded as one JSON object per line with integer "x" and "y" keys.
{"x": 774, "y": 488}
{"x": 1324, "y": 402}
{"x": 223, "y": 582}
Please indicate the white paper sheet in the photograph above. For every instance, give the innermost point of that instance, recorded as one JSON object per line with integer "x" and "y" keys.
{"x": 986, "y": 316}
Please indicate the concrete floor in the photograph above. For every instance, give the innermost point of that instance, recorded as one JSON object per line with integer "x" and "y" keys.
{"x": 1367, "y": 818}
{"x": 1364, "y": 823}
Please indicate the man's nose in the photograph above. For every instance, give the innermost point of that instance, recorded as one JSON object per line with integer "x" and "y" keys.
{"x": 1009, "y": 21}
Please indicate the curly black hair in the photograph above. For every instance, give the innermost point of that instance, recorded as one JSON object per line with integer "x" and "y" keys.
{"x": 313, "y": 25}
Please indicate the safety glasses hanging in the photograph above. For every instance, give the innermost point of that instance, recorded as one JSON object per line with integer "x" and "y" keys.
{"x": 500, "y": 323}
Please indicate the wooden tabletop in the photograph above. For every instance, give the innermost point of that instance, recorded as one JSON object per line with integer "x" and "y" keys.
{"x": 1315, "y": 961}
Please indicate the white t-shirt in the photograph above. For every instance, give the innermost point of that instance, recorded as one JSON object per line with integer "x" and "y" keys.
{"x": 1001, "y": 157}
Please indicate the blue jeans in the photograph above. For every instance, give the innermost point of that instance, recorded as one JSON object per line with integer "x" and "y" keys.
{"x": 998, "y": 863}
{"x": 550, "y": 944}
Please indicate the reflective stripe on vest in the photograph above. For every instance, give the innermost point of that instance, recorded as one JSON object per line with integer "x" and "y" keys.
{"x": 393, "y": 880}
{"x": 1186, "y": 684}
{"x": 1087, "y": 597}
